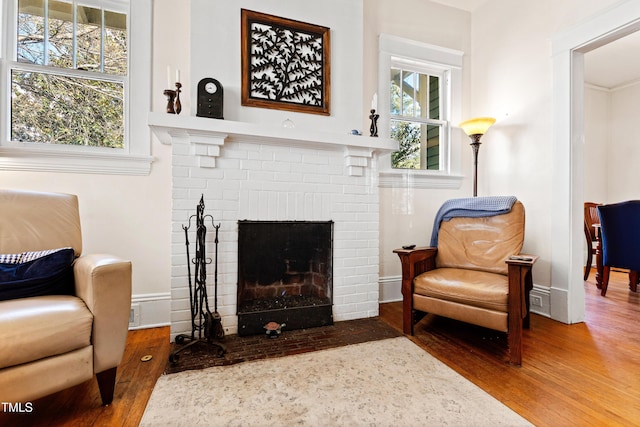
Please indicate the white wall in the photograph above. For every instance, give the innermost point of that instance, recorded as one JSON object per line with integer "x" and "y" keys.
{"x": 215, "y": 52}
{"x": 171, "y": 41}
{"x": 611, "y": 155}
{"x": 597, "y": 144}
{"x": 512, "y": 80}
{"x": 624, "y": 152}
{"x": 406, "y": 214}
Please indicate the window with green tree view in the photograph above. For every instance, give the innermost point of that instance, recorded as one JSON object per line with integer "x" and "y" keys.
{"x": 417, "y": 122}
{"x": 69, "y": 77}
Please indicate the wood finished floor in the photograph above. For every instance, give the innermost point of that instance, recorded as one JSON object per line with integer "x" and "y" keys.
{"x": 572, "y": 375}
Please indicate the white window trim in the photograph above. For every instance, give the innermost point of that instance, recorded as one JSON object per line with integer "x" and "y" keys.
{"x": 135, "y": 159}
{"x": 392, "y": 49}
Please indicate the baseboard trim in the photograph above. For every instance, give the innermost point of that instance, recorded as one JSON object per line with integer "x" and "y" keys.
{"x": 390, "y": 289}
{"x": 540, "y": 299}
{"x": 150, "y": 310}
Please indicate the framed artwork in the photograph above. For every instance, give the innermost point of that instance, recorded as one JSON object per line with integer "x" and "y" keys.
{"x": 285, "y": 64}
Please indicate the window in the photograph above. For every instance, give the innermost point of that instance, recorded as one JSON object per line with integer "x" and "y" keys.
{"x": 421, "y": 85}
{"x": 69, "y": 73}
{"x": 415, "y": 106}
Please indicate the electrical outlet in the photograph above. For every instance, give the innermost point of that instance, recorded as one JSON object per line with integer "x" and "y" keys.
{"x": 536, "y": 301}
{"x": 134, "y": 315}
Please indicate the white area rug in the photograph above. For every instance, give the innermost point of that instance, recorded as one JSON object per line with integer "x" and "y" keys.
{"x": 390, "y": 382}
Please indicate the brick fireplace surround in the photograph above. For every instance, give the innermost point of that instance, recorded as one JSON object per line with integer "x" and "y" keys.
{"x": 254, "y": 172}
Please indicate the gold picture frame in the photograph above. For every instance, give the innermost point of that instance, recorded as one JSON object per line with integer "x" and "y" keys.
{"x": 285, "y": 64}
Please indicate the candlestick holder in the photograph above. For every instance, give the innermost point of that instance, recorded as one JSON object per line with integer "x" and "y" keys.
{"x": 171, "y": 96}
{"x": 178, "y": 104}
{"x": 174, "y": 106}
{"x": 373, "y": 130}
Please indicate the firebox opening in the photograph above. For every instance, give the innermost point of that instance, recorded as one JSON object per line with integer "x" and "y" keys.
{"x": 285, "y": 274}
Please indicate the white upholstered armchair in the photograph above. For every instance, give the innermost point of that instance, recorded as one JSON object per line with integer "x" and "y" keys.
{"x": 57, "y": 329}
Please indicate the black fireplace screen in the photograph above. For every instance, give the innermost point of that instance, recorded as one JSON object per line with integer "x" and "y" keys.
{"x": 284, "y": 274}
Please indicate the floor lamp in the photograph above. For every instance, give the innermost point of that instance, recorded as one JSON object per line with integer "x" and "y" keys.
{"x": 475, "y": 128}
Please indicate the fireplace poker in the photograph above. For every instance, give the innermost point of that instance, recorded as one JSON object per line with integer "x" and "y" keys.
{"x": 213, "y": 321}
{"x": 191, "y": 300}
{"x": 218, "y": 330}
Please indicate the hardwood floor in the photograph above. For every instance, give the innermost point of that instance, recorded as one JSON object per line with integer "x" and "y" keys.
{"x": 81, "y": 405}
{"x": 571, "y": 375}
{"x": 582, "y": 374}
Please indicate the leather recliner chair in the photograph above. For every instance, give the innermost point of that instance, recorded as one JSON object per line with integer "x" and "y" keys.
{"x": 51, "y": 342}
{"x": 472, "y": 277}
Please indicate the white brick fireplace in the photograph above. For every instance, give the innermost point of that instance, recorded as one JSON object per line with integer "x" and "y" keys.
{"x": 255, "y": 172}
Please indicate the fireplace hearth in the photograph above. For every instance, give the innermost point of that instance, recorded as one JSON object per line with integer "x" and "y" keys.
{"x": 285, "y": 274}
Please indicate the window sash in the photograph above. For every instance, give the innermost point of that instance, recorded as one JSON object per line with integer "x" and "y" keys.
{"x": 427, "y": 151}
{"x": 426, "y": 74}
{"x": 118, "y": 6}
{"x": 36, "y": 118}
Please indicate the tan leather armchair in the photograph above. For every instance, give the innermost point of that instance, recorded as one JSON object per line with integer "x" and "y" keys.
{"x": 52, "y": 342}
{"x": 470, "y": 276}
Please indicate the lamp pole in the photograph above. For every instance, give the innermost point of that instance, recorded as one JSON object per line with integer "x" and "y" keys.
{"x": 475, "y": 146}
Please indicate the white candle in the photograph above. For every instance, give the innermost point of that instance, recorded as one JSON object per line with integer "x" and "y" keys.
{"x": 168, "y": 77}
{"x": 374, "y": 102}
{"x": 178, "y": 75}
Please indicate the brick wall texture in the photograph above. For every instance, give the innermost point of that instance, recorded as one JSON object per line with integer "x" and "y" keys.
{"x": 253, "y": 180}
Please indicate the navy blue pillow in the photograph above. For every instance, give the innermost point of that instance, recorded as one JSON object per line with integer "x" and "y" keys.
{"x": 49, "y": 275}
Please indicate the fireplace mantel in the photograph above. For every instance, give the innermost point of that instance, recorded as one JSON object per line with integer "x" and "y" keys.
{"x": 207, "y": 136}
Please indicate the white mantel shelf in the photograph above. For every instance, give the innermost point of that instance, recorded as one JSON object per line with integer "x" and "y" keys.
{"x": 207, "y": 136}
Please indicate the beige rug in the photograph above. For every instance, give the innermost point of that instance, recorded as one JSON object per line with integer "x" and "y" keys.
{"x": 389, "y": 382}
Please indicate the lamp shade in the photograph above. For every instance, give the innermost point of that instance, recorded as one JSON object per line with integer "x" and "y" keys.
{"x": 477, "y": 126}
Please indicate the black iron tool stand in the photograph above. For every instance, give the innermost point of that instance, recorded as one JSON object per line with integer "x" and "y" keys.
{"x": 208, "y": 325}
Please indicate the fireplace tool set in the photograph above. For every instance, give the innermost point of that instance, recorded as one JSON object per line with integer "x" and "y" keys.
{"x": 208, "y": 325}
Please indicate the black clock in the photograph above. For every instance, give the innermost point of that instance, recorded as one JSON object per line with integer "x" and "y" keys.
{"x": 210, "y": 99}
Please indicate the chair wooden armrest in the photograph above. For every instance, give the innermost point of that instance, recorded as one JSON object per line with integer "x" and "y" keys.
{"x": 414, "y": 262}
{"x": 520, "y": 285}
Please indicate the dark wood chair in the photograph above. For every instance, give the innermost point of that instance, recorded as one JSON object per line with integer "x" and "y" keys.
{"x": 476, "y": 274}
{"x": 590, "y": 218}
{"x": 620, "y": 234}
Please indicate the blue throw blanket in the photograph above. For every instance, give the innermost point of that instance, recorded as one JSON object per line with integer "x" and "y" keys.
{"x": 472, "y": 207}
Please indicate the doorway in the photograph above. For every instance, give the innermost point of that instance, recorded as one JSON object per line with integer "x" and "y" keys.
{"x": 612, "y": 91}
{"x": 567, "y": 292}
